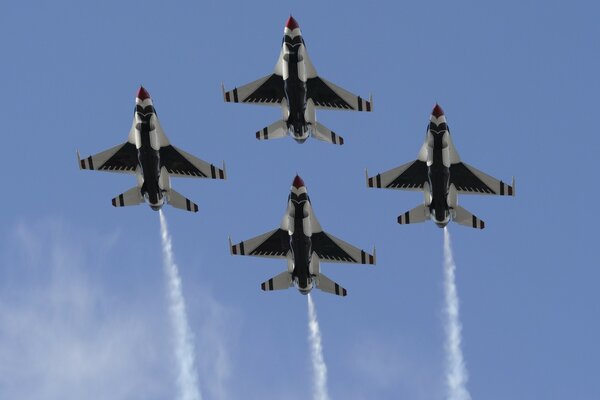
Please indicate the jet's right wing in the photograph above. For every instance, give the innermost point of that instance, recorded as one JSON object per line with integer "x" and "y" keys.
{"x": 267, "y": 90}
{"x": 122, "y": 158}
{"x": 328, "y": 96}
{"x": 410, "y": 176}
{"x": 273, "y": 244}
{"x": 182, "y": 164}
{"x": 469, "y": 180}
{"x": 331, "y": 249}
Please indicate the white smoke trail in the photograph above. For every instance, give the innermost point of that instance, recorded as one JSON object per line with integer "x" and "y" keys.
{"x": 184, "y": 347}
{"x": 316, "y": 354}
{"x": 456, "y": 371}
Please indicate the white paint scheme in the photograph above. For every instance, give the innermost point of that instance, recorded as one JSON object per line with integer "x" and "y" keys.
{"x": 306, "y": 71}
{"x": 158, "y": 140}
{"x": 311, "y": 226}
{"x": 450, "y": 158}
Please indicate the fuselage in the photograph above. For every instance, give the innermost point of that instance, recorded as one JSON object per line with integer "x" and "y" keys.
{"x": 148, "y": 152}
{"x": 300, "y": 239}
{"x": 438, "y": 168}
{"x": 294, "y": 83}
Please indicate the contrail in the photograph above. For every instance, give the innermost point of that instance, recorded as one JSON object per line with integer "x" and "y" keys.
{"x": 456, "y": 372}
{"x": 187, "y": 379}
{"x": 316, "y": 354}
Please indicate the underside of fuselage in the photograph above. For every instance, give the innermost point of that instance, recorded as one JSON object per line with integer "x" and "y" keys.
{"x": 149, "y": 159}
{"x": 439, "y": 177}
{"x": 294, "y": 87}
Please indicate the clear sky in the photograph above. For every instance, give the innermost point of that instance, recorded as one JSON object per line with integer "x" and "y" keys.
{"x": 82, "y": 296}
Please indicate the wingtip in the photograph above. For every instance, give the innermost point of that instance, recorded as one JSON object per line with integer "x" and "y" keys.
{"x": 371, "y": 101}
{"x": 230, "y": 246}
{"x": 224, "y": 171}
{"x": 78, "y": 159}
{"x": 223, "y": 91}
{"x": 374, "y": 255}
{"x": 514, "y": 187}
{"x": 367, "y": 176}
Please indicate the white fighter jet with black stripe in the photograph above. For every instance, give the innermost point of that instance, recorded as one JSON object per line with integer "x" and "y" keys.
{"x": 296, "y": 87}
{"x": 441, "y": 175}
{"x": 148, "y": 154}
{"x": 301, "y": 240}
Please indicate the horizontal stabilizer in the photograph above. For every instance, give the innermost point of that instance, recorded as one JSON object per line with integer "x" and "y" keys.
{"x": 279, "y": 282}
{"x": 329, "y": 286}
{"x": 178, "y": 201}
{"x": 276, "y": 130}
{"x": 417, "y": 214}
{"x": 132, "y": 197}
{"x": 325, "y": 134}
{"x": 464, "y": 217}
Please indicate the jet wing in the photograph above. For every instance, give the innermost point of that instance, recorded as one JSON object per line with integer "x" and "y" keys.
{"x": 469, "y": 180}
{"x": 331, "y": 249}
{"x": 122, "y": 158}
{"x": 182, "y": 164}
{"x": 267, "y": 90}
{"x": 273, "y": 244}
{"x": 328, "y": 96}
{"x": 410, "y": 176}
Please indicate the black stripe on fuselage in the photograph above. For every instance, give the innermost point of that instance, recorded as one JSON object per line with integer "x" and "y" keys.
{"x": 294, "y": 88}
{"x": 438, "y": 174}
{"x": 300, "y": 243}
{"x": 149, "y": 158}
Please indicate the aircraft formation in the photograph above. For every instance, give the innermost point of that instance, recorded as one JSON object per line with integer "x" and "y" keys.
{"x": 299, "y": 91}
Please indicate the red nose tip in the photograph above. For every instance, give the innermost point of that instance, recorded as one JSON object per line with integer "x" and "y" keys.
{"x": 142, "y": 94}
{"x": 437, "y": 111}
{"x": 291, "y": 23}
{"x": 298, "y": 182}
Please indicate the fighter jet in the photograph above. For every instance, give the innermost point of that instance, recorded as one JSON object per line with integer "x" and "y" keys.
{"x": 148, "y": 154}
{"x": 301, "y": 240}
{"x": 296, "y": 87}
{"x": 441, "y": 175}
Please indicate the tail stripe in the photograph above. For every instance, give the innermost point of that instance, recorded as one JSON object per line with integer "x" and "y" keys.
{"x": 360, "y": 106}
{"x": 242, "y": 249}
{"x": 235, "y": 95}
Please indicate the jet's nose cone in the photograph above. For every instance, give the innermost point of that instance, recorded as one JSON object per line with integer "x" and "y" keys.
{"x": 143, "y": 94}
{"x": 298, "y": 182}
{"x": 437, "y": 111}
{"x": 291, "y": 23}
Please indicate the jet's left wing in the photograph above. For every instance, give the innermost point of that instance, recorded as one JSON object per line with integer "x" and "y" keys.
{"x": 122, "y": 158}
{"x": 267, "y": 90}
{"x": 182, "y": 164}
{"x": 331, "y": 249}
{"x": 469, "y": 180}
{"x": 273, "y": 244}
{"x": 410, "y": 176}
{"x": 328, "y": 96}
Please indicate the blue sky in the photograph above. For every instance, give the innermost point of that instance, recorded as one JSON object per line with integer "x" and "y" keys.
{"x": 82, "y": 298}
